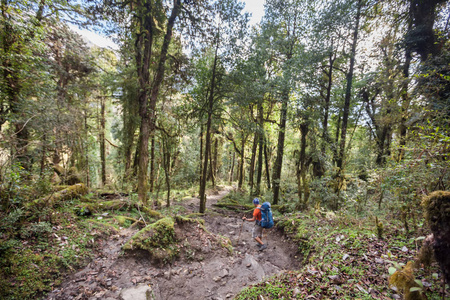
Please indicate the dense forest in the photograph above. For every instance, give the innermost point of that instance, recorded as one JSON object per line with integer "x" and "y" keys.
{"x": 336, "y": 112}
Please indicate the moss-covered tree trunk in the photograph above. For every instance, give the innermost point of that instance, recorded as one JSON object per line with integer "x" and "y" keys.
{"x": 148, "y": 96}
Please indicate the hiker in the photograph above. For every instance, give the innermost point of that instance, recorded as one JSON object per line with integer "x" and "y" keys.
{"x": 257, "y": 229}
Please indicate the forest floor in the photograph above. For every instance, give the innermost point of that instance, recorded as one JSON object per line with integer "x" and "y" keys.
{"x": 206, "y": 270}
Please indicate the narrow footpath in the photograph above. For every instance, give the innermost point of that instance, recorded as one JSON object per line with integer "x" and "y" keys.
{"x": 215, "y": 273}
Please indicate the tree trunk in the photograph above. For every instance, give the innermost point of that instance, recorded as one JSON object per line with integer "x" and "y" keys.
{"x": 260, "y": 149}
{"x": 252, "y": 161}
{"x": 102, "y": 140}
{"x": 148, "y": 106}
{"x": 348, "y": 93}
{"x": 242, "y": 163}
{"x": 143, "y": 48}
{"x": 232, "y": 167}
{"x": 280, "y": 147}
{"x": 383, "y": 143}
{"x": 201, "y": 154}
{"x": 208, "y": 133}
{"x": 423, "y": 35}
{"x": 166, "y": 165}
{"x": 211, "y": 168}
{"x": 85, "y": 148}
{"x": 143, "y": 159}
{"x": 216, "y": 159}
{"x": 43, "y": 156}
{"x": 266, "y": 159}
{"x": 152, "y": 165}
{"x": 303, "y": 192}
{"x": 405, "y": 100}
{"x": 336, "y": 139}
{"x": 325, "y": 135}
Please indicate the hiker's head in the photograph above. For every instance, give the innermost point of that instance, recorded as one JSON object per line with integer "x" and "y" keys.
{"x": 256, "y": 201}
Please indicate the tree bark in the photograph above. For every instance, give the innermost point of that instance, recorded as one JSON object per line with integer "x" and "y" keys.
{"x": 43, "y": 155}
{"x": 348, "y": 92}
{"x": 303, "y": 192}
{"x": 280, "y": 147}
{"x": 260, "y": 149}
{"x": 102, "y": 140}
{"x": 212, "y": 167}
{"x": 208, "y": 132}
{"x": 232, "y": 167}
{"x": 325, "y": 135}
{"x": 148, "y": 106}
{"x": 422, "y": 37}
{"x": 266, "y": 159}
{"x": 201, "y": 154}
{"x": 242, "y": 163}
{"x": 405, "y": 100}
{"x": 166, "y": 164}
{"x": 252, "y": 161}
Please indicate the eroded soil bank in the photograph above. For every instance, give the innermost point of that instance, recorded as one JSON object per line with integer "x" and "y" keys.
{"x": 205, "y": 271}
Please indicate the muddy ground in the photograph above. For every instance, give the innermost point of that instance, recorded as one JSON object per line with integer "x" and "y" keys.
{"x": 206, "y": 271}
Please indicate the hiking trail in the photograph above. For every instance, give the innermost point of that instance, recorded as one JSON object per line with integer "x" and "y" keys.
{"x": 214, "y": 273}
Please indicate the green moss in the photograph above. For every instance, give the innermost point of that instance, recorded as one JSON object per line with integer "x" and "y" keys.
{"x": 194, "y": 215}
{"x": 225, "y": 242}
{"x": 123, "y": 221}
{"x": 105, "y": 227}
{"x": 187, "y": 219}
{"x": 110, "y": 205}
{"x": 437, "y": 209}
{"x": 84, "y": 209}
{"x": 299, "y": 230}
{"x": 158, "y": 239}
{"x": 25, "y": 275}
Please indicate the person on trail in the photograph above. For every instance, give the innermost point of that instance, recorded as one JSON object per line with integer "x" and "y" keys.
{"x": 257, "y": 229}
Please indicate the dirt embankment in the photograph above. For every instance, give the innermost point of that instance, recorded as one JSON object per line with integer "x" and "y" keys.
{"x": 206, "y": 269}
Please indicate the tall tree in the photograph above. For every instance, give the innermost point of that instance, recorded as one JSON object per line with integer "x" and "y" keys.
{"x": 283, "y": 25}
{"x": 348, "y": 90}
{"x": 225, "y": 43}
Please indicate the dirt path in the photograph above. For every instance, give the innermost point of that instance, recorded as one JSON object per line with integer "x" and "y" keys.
{"x": 219, "y": 275}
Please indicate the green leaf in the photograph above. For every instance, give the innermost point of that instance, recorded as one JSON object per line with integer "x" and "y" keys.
{"x": 420, "y": 238}
{"x": 415, "y": 289}
{"x": 435, "y": 275}
{"x": 392, "y": 270}
{"x": 419, "y": 282}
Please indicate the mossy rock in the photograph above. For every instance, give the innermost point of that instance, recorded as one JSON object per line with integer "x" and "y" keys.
{"x": 188, "y": 219}
{"x": 158, "y": 239}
